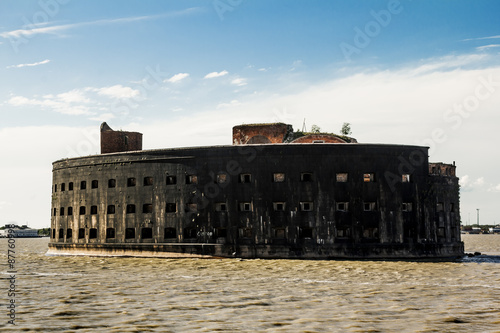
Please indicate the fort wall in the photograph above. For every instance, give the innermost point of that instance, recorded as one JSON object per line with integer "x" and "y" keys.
{"x": 318, "y": 201}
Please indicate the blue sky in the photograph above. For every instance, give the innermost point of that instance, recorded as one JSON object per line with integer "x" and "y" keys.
{"x": 185, "y": 72}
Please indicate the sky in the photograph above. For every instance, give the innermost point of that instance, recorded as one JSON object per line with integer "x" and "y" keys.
{"x": 184, "y": 73}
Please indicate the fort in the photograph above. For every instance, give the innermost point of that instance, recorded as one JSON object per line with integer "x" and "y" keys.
{"x": 273, "y": 193}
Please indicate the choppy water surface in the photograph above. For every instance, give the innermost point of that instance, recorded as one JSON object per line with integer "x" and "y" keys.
{"x": 90, "y": 294}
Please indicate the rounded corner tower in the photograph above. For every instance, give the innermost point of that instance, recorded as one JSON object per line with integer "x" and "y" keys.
{"x": 268, "y": 195}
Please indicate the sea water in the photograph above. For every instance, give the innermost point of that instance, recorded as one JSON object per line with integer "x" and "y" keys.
{"x": 108, "y": 294}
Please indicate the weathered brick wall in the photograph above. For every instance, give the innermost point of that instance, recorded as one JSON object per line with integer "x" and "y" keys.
{"x": 326, "y": 138}
{"x": 261, "y": 133}
{"x": 119, "y": 141}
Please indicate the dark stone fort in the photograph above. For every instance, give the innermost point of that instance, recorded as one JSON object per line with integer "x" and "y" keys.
{"x": 273, "y": 193}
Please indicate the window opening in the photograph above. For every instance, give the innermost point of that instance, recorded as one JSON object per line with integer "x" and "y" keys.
{"x": 110, "y": 232}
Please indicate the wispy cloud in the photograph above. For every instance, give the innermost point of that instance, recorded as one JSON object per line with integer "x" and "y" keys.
{"x": 485, "y": 47}
{"x": 216, "y": 74}
{"x": 234, "y": 102}
{"x": 56, "y": 29}
{"x": 239, "y": 82}
{"x": 177, "y": 77}
{"x": 46, "y": 61}
{"x": 481, "y": 38}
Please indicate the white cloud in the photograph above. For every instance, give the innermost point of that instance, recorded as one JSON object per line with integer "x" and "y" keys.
{"x": 479, "y": 182}
{"x": 46, "y": 61}
{"x": 495, "y": 188}
{"x": 485, "y": 47}
{"x": 232, "y": 103}
{"x": 118, "y": 92}
{"x": 73, "y": 96}
{"x": 216, "y": 74}
{"x": 239, "y": 82}
{"x": 177, "y": 77}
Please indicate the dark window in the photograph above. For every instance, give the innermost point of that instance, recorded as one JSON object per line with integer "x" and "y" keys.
{"x": 82, "y": 210}
{"x": 147, "y": 233}
{"x": 81, "y": 233}
{"x": 221, "y": 232}
{"x": 220, "y": 207}
{"x": 147, "y": 208}
{"x": 171, "y": 207}
{"x": 63, "y": 187}
{"x": 129, "y": 233}
{"x": 148, "y": 181}
{"x": 278, "y": 206}
{"x": 279, "y": 233}
{"x": 369, "y": 206}
{"x": 306, "y": 177}
{"x": 55, "y": 212}
{"x": 245, "y": 178}
{"x": 171, "y": 180}
{"x": 306, "y": 232}
{"x": 278, "y": 177}
{"x": 342, "y": 206}
{"x": 440, "y": 207}
{"x": 190, "y": 233}
{"x": 55, "y": 187}
{"x": 130, "y": 209}
{"x": 69, "y": 233}
{"x": 111, "y": 183}
{"x": 407, "y": 207}
{"x": 111, "y": 209}
{"x": 95, "y": 184}
{"x": 245, "y": 232}
{"x": 110, "y": 232}
{"x": 131, "y": 182}
{"x": 92, "y": 233}
{"x": 170, "y": 233}
{"x": 61, "y": 233}
{"x": 53, "y": 233}
{"x": 93, "y": 210}
{"x": 191, "y": 179}
{"x": 70, "y": 186}
{"x": 306, "y": 206}
{"x": 245, "y": 206}
{"x": 70, "y": 210}
{"x": 370, "y": 233}
{"x": 83, "y": 185}
{"x": 61, "y": 211}
{"x": 343, "y": 232}
{"x": 452, "y": 207}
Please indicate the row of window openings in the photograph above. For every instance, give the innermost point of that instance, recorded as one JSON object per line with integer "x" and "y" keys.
{"x": 189, "y": 233}
{"x": 221, "y": 178}
{"x": 304, "y": 206}
{"x": 170, "y": 233}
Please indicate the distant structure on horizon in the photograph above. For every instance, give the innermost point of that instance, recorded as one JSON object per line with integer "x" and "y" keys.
{"x": 273, "y": 193}
{"x": 18, "y": 231}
